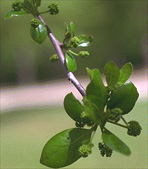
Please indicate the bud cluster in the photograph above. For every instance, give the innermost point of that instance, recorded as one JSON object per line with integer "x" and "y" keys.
{"x": 85, "y": 149}
{"x": 17, "y": 5}
{"x": 134, "y": 129}
{"x": 83, "y": 54}
{"x": 105, "y": 150}
{"x": 54, "y": 8}
{"x": 35, "y": 22}
{"x": 115, "y": 114}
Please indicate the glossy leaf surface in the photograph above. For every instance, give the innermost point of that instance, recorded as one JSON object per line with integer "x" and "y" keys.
{"x": 124, "y": 98}
{"x": 62, "y": 149}
{"x": 39, "y": 34}
{"x": 85, "y": 40}
{"x": 112, "y": 73}
{"x": 125, "y": 72}
{"x": 12, "y": 13}
{"x": 115, "y": 143}
{"x": 92, "y": 111}
{"x": 96, "y": 92}
{"x": 73, "y": 107}
{"x": 70, "y": 62}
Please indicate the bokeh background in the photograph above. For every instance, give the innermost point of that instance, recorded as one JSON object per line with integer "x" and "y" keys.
{"x": 32, "y": 88}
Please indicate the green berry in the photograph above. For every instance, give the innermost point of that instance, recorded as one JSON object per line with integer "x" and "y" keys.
{"x": 134, "y": 129}
{"x": 17, "y": 5}
{"x": 105, "y": 150}
{"x": 83, "y": 54}
{"x": 75, "y": 41}
{"x": 54, "y": 58}
{"x": 35, "y": 22}
{"x": 85, "y": 149}
{"x": 54, "y": 8}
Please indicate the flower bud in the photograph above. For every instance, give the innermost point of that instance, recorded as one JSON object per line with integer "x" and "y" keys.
{"x": 35, "y": 22}
{"x": 17, "y": 5}
{"x": 134, "y": 129}
{"x": 54, "y": 8}
{"x": 54, "y": 58}
{"x": 83, "y": 54}
{"x": 75, "y": 41}
{"x": 85, "y": 149}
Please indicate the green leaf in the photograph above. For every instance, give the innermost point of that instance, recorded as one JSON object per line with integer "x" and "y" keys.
{"x": 124, "y": 98}
{"x": 39, "y": 33}
{"x": 29, "y": 6}
{"x": 62, "y": 149}
{"x": 38, "y": 2}
{"x": 70, "y": 62}
{"x": 72, "y": 28}
{"x": 96, "y": 92}
{"x": 112, "y": 73}
{"x": 12, "y": 13}
{"x": 92, "y": 111}
{"x": 73, "y": 107}
{"x": 85, "y": 40}
{"x": 89, "y": 72}
{"x": 115, "y": 143}
{"x": 125, "y": 72}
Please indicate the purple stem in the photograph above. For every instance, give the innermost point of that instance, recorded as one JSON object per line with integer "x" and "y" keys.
{"x": 57, "y": 46}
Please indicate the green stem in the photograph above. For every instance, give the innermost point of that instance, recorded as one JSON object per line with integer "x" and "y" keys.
{"x": 117, "y": 124}
{"x": 124, "y": 121}
{"x": 93, "y": 132}
{"x": 73, "y": 52}
{"x": 43, "y": 12}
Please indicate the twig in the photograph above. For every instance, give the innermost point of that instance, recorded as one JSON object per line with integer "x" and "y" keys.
{"x": 59, "y": 51}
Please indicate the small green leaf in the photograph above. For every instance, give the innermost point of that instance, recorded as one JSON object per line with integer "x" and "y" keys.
{"x": 39, "y": 33}
{"x": 72, "y": 28}
{"x": 112, "y": 73}
{"x": 115, "y": 143}
{"x": 92, "y": 111}
{"x": 73, "y": 107}
{"x": 125, "y": 72}
{"x": 96, "y": 92}
{"x": 85, "y": 40}
{"x": 12, "y": 13}
{"x": 29, "y": 6}
{"x": 124, "y": 98}
{"x": 62, "y": 149}
{"x": 38, "y": 2}
{"x": 70, "y": 62}
{"x": 89, "y": 72}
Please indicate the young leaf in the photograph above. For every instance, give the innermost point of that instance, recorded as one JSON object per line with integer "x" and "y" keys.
{"x": 96, "y": 92}
{"x": 30, "y": 7}
{"x": 92, "y": 111}
{"x": 62, "y": 149}
{"x": 72, "y": 28}
{"x": 39, "y": 33}
{"x": 70, "y": 62}
{"x": 73, "y": 107}
{"x": 38, "y": 2}
{"x": 124, "y": 98}
{"x": 112, "y": 73}
{"x": 12, "y": 13}
{"x": 115, "y": 143}
{"x": 85, "y": 40}
{"x": 125, "y": 72}
{"x": 89, "y": 72}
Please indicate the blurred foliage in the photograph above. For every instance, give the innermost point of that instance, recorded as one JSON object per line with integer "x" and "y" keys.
{"x": 118, "y": 28}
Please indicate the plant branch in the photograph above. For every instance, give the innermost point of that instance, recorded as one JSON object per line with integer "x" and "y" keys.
{"x": 117, "y": 124}
{"x": 59, "y": 51}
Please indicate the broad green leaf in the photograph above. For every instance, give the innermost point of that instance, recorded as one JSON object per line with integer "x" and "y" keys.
{"x": 62, "y": 149}
{"x": 12, "y": 13}
{"x": 125, "y": 72}
{"x": 112, "y": 73}
{"x": 96, "y": 92}
{"x": 38, "y": 2}
{"x": 70, "y": 62}
{"x": 73, "y": 107}
{"x": 39, "y": 34}
{"x": 115, "y": 143}
{"x": 124, "y": 98}
{"x": 92, "y": 111}
{"x": 72, "y": 28}
{"x": 85, "y": 40}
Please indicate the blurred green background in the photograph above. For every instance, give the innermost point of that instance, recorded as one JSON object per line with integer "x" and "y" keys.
{"x": 119, "y": 31}
{"x": 118, "y": 28}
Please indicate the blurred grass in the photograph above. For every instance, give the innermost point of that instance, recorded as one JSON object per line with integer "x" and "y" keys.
{"x": 24, "y": 133}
